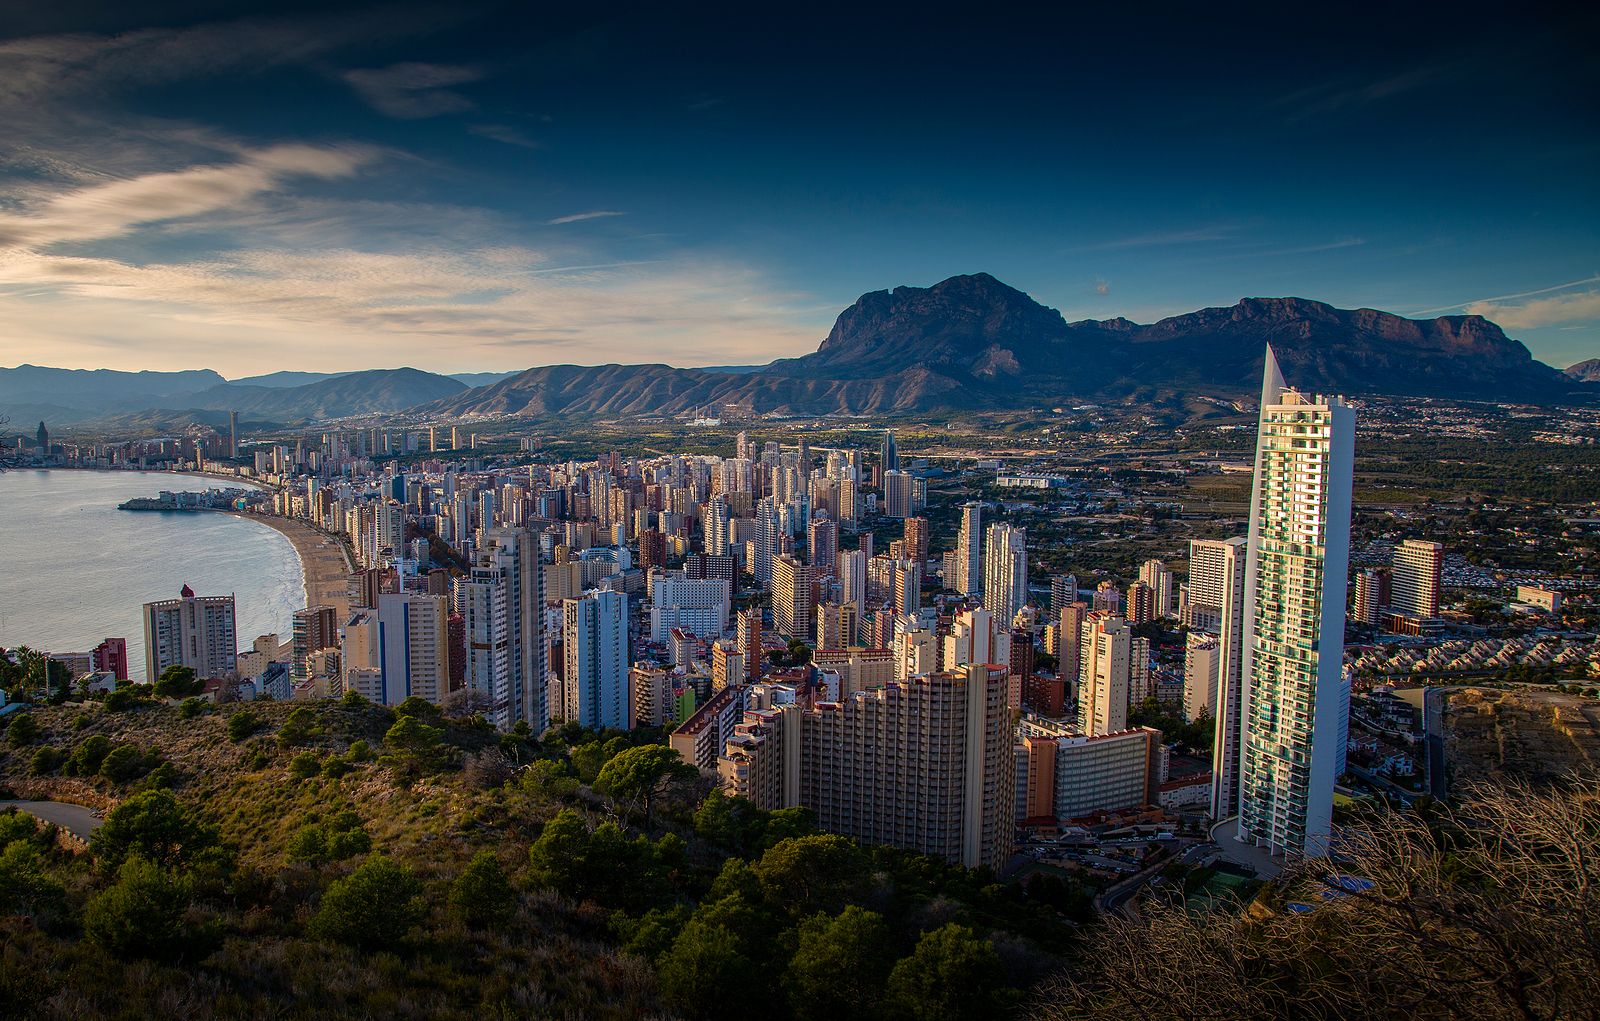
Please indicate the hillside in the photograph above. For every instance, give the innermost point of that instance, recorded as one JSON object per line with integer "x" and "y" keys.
{"x": 373, "y": 391}
{"x": 338, "y": 859}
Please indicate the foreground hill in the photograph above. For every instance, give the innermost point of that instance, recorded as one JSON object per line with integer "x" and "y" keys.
{"x": 974, "y": 342}
{"x": 343, "y": 860}
{"x": 339, "y": 859}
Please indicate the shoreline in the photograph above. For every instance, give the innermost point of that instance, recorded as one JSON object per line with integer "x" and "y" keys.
{"x": 323, "y": 568}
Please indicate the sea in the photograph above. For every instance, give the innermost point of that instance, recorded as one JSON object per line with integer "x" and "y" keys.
{"x": 75, "y": 570}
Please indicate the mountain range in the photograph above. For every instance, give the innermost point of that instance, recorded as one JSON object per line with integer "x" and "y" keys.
{"x": 972, "y": 342}
{"x": 966, "y": 343}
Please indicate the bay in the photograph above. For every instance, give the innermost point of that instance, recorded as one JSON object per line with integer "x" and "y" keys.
{"x": 75, "y": 570}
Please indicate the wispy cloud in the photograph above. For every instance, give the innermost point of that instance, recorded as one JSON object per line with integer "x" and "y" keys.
{"x": 50, "y": 68}
{"x": 1496, "y": 299}
{"x": 505, "y": 134}
{"x": 595, "y": 214}
{"x": 291, "y": 279}
{"x": 438, "y": 308}
{"x": 113, "y": 208}
{"x": 411, "y": 91}
{"x": 1162, "y": 238}
{"x": 1552, "y": 311}
{"x": 1351, "y": 92}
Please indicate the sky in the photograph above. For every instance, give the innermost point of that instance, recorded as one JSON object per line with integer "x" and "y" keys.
{"x": 471, "y": 186}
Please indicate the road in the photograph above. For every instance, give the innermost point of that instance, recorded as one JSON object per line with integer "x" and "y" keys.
{"x": 75, "y": 819}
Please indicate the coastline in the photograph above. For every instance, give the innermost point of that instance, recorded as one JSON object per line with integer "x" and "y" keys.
{"x": 322, "y": 560}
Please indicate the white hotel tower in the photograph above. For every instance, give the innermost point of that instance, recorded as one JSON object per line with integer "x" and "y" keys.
{"x": 1297, "y": 560}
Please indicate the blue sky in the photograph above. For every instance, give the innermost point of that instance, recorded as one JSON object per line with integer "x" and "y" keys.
{"x": 478, "y": 186}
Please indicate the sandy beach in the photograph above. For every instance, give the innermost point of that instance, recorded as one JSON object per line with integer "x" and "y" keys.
{"x": 322, "y": 560}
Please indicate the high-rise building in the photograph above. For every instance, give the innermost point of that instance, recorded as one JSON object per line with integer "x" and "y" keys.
{"x": 853, "y": 579}
{"x": 111, "y": 656}
{"x": 1202, "y": 657}
{"x": 718, "y": 527}
{"x": 727, "y": 665}
{"x": 822, "y": 544}
{"x": 791, "y": 597}
{"x": 413, "y": 636}
{"x": 976, "y": 637}
{"x": 233, "y": 434}
{"x": 750, "y": 641}
{"x": 899, "y": 494}
{"x": 916, "y": 540}
{"x": 1069, "y": 641}
{"x": 768, "y": 540}
{"x": 1372, "y": 595}
{"x": 969, "y": 552}
{"x": 313, "y": 628}
{"x": 836, "y": 626}
{"x": 652, "y": 549}
{"x": 1155, "y": 574}
{"x": 1296, "y": 568}
{"x": 1114, "y": 667}
{"x": 1063, "y": 592}
{"x": 649, "y": 695}
{"x": 501, "y": 603}
{"x": 1005, "y": 571}
{"x": 193, "y": 631}
{"x": 888, "y": 455}
{"x": 1216, "y": 606}
{"x": 924, "y": 763}
{"x": 1141, "y": 604}
{"x": 699, "y": 607}
{"x": 594, "y": 640}
{"x": 1417, "y": 579}
{"x": 906, "y": 585}
{"x": 1066, "y": 775}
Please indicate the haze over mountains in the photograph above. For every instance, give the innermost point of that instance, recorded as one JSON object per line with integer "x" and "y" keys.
{"x": 967, "y": 343}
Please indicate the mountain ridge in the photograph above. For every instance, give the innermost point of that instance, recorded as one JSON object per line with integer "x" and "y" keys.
{"x": 974, "y": 341}
{"x": 967, "y": 342}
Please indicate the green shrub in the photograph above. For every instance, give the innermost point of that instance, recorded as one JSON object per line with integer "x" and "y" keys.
{"x": 189, "y": 708}
{"x": 304, "y": 766}
{"x": 142, "y": 914}
{"x": 85, "y": 759}
{"x": 242, "y": 724}
{"x": 154, "y": 826}
{"x": 24, "y": 730}
{"x": 46, "y": 760}
{"x": 300, "y": 727}
{"x": 26, "y": 887}
{"x": 341, "y": 836}
{"x": 482, "y": 895}
{"x": 122, "y": 764}
{"x": 377, "y": 905}
{"x": 177, "y": 682}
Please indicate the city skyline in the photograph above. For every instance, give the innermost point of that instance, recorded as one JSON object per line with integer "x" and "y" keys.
{"x": 464, "y": 188}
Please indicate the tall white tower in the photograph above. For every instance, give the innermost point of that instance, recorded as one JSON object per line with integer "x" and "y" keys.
{"x": 1005, "y": 571}
{"x": 1295, "y": 580}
